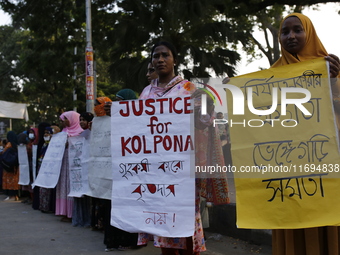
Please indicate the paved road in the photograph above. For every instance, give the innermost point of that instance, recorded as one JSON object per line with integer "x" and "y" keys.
{"x": 26, "y": 231}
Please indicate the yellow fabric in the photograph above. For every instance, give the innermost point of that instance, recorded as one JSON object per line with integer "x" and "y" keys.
{"x": 312, "y": 49}
{"x": 321, "y": 240}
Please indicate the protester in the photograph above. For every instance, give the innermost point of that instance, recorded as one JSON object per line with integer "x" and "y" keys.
{"x": 151, "y": 74}
{"x": 126, "y": 94}
{"x": 32, "y": 140}
{"x": 164, "y": 60}
{"x": 99, "y": 105}
{"x": 84, "y": 121}
{"x": 23, "y": 141}
{"x": 299, "y": 42}
{"x": 115, "y": 238}
{"x": 10, "y": 179}
{"x": 41, "y": 141}
{"x": 64, "y": 204}
{"x": 81, "y": 215}
{"x": 97, "y": 210}
{"x": 47, "y": 196}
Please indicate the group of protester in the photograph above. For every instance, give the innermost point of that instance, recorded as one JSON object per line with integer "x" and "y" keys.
{"x": 299, "y": 42}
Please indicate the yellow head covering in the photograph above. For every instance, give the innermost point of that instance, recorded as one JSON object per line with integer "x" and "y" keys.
{"x": 312, "y": 49}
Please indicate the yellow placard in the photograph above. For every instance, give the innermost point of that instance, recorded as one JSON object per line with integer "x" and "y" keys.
{"x": 286, "y": 167}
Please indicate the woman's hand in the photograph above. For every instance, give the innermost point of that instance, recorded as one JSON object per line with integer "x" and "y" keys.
{"x": 334, "y": 65}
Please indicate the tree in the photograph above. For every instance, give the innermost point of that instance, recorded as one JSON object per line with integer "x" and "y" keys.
{"x": 205, "y": 32}
{"x": 10, "y": 75}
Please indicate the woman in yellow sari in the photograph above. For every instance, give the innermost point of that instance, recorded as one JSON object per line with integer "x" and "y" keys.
{"x": 299, "y": 42}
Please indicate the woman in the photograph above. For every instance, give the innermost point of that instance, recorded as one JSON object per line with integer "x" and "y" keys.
{"x": 115, "y": 238}
{"x": 64, "y": 204}
{"x": 36, "y": 189}
{"x": 97, "y": 204}
{"x": 299, "y": 42}
{"x": 126, "y": 94}
{"x": 85, "y": 120}
{"x": 81, "y": 215}
{"x": 10, "y": 179}
{"x": 46, "y": 196}
{"x": 151, "y": 74}
{"x": 164, "y": 60}
{"x": 32, "y": 140}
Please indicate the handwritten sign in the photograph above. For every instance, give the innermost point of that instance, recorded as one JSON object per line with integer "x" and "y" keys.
{"x": 100, "y": 162}
{"x": 152, "y": 152}
{"x": 24, "y": 173}
{"x": 78, "y": 173}
{"x": 49, "y": 171}
{"x": 286, "y": 166}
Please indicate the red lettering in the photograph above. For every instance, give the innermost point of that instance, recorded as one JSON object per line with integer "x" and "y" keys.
{"x": 167, "y": 143}
{"x": 148, "y": 103}
{"x": 187, "y": 104}
{"x": 134, "y": 108}
{"x": 161, "y": 106}
{"x": 144, "y": 142}
{"x": 127, "y": 113}
{"x": 136, "y": 147}
{"x": 178, "y": 142}
{"x": 176, "y": 110}
{"x": 156, "y": 139}
{"x": 188, "y": 143}
{"x": 170, "y": 105}
{"x": 124, "y": 145}
{"x": 151, "y": 125}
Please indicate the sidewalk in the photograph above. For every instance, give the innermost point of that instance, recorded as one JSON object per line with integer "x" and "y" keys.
{"x": 27, "y": 231}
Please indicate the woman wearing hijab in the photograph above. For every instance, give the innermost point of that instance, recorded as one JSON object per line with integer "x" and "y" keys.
{"x": 32, "y": 140}
{"x": 10, "y": 179}
{"x": 46, "y": 195}
{"x": 299, "y": 42}
{"x": 36, "y": 189}
{"x": 64, "y": 204}
{"x": 126, "y": 94}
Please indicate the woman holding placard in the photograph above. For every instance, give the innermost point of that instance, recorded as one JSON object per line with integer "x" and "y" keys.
{"x": 299, "y": 42}
{"x": 164, "y": 60}
{"x": 64, "y": 204}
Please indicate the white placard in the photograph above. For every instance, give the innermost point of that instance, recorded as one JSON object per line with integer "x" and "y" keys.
{"x": 152, "y": 152}
{"x": 78, "y": 174}
{"x": 24, "y": 168}
{"x": 49, "y": 171}
{"x": 99, "y": 165}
